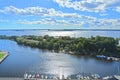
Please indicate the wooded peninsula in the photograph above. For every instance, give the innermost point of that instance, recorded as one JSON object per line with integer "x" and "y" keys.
{"x": 92, "y": 46}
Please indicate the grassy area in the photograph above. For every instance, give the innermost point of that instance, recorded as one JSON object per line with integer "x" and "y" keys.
{"x": 1, "y": 55}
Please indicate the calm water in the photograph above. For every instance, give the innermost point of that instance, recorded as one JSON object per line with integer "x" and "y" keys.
{"x": 24, "y": 59}
{"x": 61, "y": 33}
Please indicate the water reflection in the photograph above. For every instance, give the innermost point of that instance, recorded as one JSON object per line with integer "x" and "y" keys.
{"x": 24, "y": 59}
{"x": 62, "y": 33}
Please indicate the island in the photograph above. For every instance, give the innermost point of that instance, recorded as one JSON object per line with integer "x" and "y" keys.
{"x": 92, "y": 46}
{"x": 3, "y": 55}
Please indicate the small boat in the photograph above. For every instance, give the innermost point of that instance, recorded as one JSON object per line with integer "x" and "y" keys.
{"x": 46, "y": 77}
{"x": 37, "y": 75}
{"x": 117, "y": 77}
{"x": 33, "y": 76}
{"x": 95, "y": 76}
{"x": 42, "y": 76}
{"x": 101, "y": 56}
{"x": 106, "y": 78}
{"x": 25, "y": 76}
{"x": 29, "y": 76}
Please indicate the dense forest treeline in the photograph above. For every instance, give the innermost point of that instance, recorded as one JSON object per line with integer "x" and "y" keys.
{"x": 80, "y": 46}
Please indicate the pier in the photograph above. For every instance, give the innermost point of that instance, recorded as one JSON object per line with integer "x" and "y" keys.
{"x": 53, "y": 77}
{"x": 42, "y": 79}
{"x": 58, "y": 79}
{"x": 3, "y": 56}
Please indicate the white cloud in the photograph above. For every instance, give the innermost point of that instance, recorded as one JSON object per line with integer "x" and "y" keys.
{"x": 118, "y": 9}
{"x": 92, "y": 23}
{"x": 105, "y": 23}
{"x": 89, "y": 5}
{"x": 52, "y": 21}
{"x": 38, "y": 11}
{"x": 25, "y": 11}
{"x": 103, "y": 14}
{"x": 1, "y": 11}
{"x": 53, "y": 17}
{"x": 52, "y": 14}
{"x": 29, "y": 22}
{"x": 72, "y": 18}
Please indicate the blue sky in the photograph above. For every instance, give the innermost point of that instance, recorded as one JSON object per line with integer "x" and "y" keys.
{"x": 59, "y": 14}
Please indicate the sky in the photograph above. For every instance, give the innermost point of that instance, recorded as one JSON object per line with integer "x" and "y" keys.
{"x": 59, "y": 14}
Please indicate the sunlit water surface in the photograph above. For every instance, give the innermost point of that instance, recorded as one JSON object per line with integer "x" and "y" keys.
{"x": 24, "y": 59}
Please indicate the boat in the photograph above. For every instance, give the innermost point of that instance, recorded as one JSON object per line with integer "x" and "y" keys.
{"x": 37, "y": 75}
{"x": 101, "y": 57}
{"x": 29, "y": 76}
{"x": 25, "y": 76}
{"x": 95, "y": 76}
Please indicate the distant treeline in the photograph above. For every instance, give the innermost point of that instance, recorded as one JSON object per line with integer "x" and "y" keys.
{"x": 98, "y": 45}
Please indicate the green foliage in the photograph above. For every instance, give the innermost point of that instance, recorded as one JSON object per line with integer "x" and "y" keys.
{"x": 89, "y": 46}
{"x": 1, "y": 55}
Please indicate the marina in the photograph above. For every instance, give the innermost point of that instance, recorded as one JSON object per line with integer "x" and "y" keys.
{"x": 76, "y": 77}
{"x": 107, "y": 58}
{"x": 47, "y": 77}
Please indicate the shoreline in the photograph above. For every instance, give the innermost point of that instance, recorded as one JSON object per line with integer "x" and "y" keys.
{"x": 4, "y": 57}
{"x": 63, "y": 29}
{"x": 93, "y": 46}
{"x": 97, "y": 56}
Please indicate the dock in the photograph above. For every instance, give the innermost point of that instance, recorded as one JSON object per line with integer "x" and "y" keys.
{"x": 4, "y": 56}
{"x": 114, "y": 77}
{"x": 42, "y": 79}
